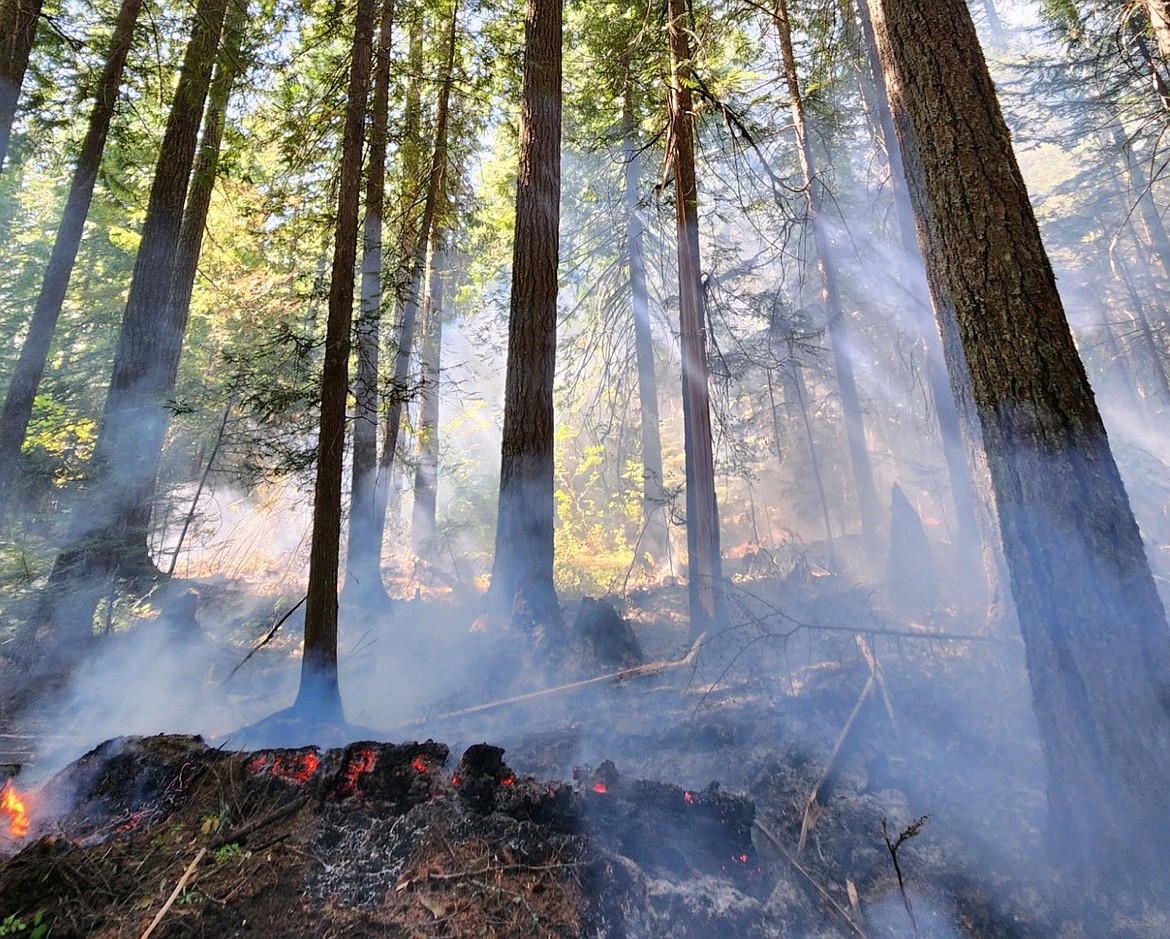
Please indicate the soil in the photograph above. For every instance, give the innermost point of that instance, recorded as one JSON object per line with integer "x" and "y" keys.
{"x": 671, "y": 804}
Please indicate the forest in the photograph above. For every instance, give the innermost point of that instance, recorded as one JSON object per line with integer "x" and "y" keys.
{"x": 755, "y": 410}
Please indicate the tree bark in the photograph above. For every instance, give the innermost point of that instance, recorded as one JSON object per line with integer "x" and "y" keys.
{"x": 970, "y": 532}
{"x": 426, "y": 475}
{"x": 867, "y": 498}
{"x": 654, "y": 534}
{"x": 704, "y": 561}
{"x": 18, "y": 30}
{"x": 364, "y": 545}
{"x": 1159, "y": 13}
{"x": 30, "y": 367}
{"x": 522, "y": 589}
{"x": 399, "y": 383}
{"x": 1098, "y": 650}
{"x": 136, "y": 416}
{"x": 319, "y": 692}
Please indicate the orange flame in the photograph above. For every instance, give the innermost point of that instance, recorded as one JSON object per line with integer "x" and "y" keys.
{"x": 690, "y": 799}
{"x": 419, "y": 764}
{"x": 12, "y": 807}
{"x": 599, "y": 787}
{"x": 509, "y": 780}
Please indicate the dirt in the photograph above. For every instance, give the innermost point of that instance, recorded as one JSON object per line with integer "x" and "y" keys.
{"x": 666, "y": 806}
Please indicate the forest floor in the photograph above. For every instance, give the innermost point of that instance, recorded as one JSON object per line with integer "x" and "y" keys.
{"x": 752, "y": 790}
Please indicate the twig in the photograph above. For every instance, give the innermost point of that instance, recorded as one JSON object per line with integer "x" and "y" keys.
{"x": 892, "y": 845}
{"x": 202, "y": 483}
{"x": 238, "y": 834}
{"x": 834, "y": 906}
{"x": 263, "y": 642}
{"x": 174, "y": 894}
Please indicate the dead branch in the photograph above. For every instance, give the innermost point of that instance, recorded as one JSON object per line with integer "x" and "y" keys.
{"x": 174, "y": 894}
{"x": 834, "y": 907}
{"x": 263, "y": 642}
{"x": 875, "y": 669}
{"x": 624, "y": 674}
{"x": 892, "y": 845}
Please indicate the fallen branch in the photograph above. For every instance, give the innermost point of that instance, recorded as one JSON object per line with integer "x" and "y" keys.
{"x": 174, "y": 894}
{"x": 624, "y": 674}
{"x": 834, "y": 907}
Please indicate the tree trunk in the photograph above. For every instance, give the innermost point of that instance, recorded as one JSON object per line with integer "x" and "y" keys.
{"x": 653, "y": 541}
{"x": 319, "y": 693}
{"x": 136, "y": 416}
{"x": 1159, "y": 13}
{"x": 1098, "y": 650}
{"x": 30, "y": 367}
{"x": 704, "y": 561}
{"x": 399, "y": 383}
{"x": 522, "y": 588}
{"x": 18, "y": 29}
{"x": 969, "y": 532}
{"x": 364, "y": 546}
{"x": 868, "y": 504}
{"x": 426, "y": 476}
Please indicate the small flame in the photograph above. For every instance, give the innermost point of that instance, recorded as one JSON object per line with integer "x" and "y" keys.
{"x": 509, "y": 780}
{"x": 12, "y": 807}
{"x": 599, "y": 787}
{"x": 690, "y": 799}
{"x": 420, "y": 764}
{"x": 296, "y": 768}
{"x": 362, "y": 761}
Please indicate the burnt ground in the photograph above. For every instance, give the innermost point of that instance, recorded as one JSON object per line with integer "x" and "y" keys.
{"x": 671, "y": 804}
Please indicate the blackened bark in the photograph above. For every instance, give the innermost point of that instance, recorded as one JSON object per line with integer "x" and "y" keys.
{"x": 135, "y": 418}
{"x": 364, "y": 545}
{"x": 319, "y": 693}
{"x": 18, "y": 30}
{"x": 867, "y": 498}
{"x": 522, "y": 588}
{"x": 30, "y": 367}
{"x": 653, "y": 542}
{"x": 704, "y": 561}
{"x": 1098, "y": 650}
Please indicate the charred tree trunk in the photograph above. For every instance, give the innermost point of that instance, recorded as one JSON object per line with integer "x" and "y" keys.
{"x": 1098, "y": 649}
{"x": 522, "y": 571}
{"x": 30, "y": 367}
{"x": 426, "y": 476}
{"x": 704, "y": 561}
{"x": 654, "y": 534}
{"x": 136, "y": 415}
{"x": 319, "y": 693}
{"x": 18, "y": 30}
{"x": 364, "y": 547}
{"x": 868, "y": 504}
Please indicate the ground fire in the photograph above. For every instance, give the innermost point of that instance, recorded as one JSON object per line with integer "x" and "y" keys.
{"x": 13, "y": 810}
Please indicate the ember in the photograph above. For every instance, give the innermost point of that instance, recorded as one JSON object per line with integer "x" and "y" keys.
{"x": 420, "y": 764}
{"x": 690, "y": 799}
{"x": 13, "y": 809}
{"x": 361, "y": 760}
{"x": 509, "y": 780}
{"x": 600, "y": 787}
{"x": 291, "y": 767}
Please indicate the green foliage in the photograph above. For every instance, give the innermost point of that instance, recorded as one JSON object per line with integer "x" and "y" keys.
{"x": 36, "y": 928}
